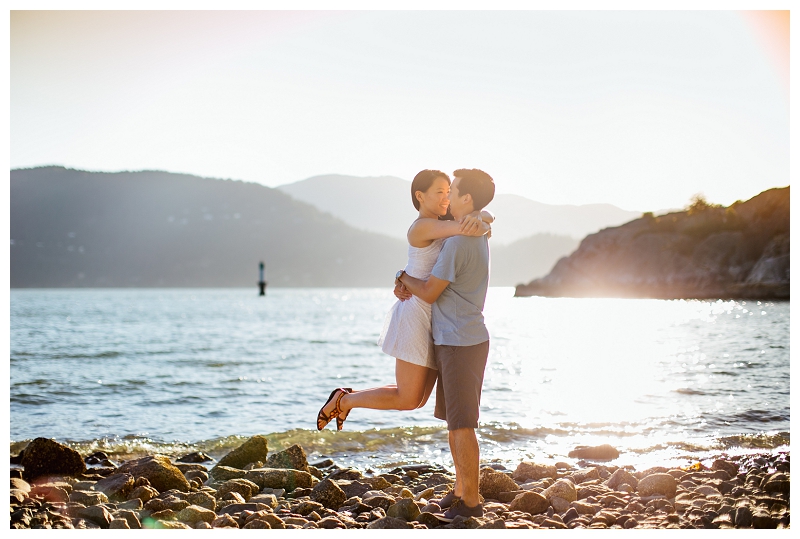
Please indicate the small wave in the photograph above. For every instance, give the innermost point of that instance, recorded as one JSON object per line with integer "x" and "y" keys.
{"x": 100, "y": 355}
{"x": 689, "y": 391}
{"x": 749, "y": 417}
{"x": 39, "y": 382}
{"x": 683, "y": 446}
{"x": 30, "y": 400}
{"x": 405, "y": 445}
{"x": 754, "y": 441}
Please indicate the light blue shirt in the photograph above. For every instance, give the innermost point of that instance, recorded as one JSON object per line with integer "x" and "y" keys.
{"x": 458, "y": 313}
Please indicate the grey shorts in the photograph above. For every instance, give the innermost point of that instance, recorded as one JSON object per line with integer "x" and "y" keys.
{"x": 458, "y": 387}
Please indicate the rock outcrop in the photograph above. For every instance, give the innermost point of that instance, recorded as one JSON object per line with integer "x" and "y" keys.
{"x": 741, "y": 252}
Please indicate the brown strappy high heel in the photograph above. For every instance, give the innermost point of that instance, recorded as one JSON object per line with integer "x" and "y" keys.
{"x": 325, "y": 419}
{"x": 340, "y": 420}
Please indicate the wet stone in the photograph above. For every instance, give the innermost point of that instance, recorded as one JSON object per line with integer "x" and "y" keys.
{"x": 405, "y": 509}
{"x": 658, "y": 483}
{"x": 492, "y": 483}
{"x": 195, "y": 457}
{"x": 428, "y": 519}
{"x": 130, "y": 516}
{"x": 87, "y": 498}
{"x": 527, "y": 471}
{"x": 119, "y": 524}
{"x": 224, "y": 521}
{"x": 530, "y": 502}
{"x": 389, "y": 523}
{"x": 328, "y": 494}
{"x": 97, "y": 514}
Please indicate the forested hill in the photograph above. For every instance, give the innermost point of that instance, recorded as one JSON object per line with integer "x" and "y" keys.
{"x": 71, "y": 228}
{"x": 741, "y": 251}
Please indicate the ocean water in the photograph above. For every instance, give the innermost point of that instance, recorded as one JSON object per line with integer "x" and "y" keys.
{"x": 133, "y": 371}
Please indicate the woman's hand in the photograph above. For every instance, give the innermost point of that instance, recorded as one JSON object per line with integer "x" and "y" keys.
{"x": 401, "y": 292}
{"x": 473, "y": 225}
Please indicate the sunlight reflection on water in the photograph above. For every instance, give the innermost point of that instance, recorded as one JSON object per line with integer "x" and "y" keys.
{"x": 194, "y": 366}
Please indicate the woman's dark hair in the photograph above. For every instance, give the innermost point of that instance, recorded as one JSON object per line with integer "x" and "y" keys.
{"x": 423, "y": 181}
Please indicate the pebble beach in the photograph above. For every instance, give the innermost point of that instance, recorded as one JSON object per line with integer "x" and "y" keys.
{"x": 53, "y": 486}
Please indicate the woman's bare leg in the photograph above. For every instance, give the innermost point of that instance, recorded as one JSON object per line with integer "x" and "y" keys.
{"x": 410, "y": 391}
{"x": 429, "y": 383}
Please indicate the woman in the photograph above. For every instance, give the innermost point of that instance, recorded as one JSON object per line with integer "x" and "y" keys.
{"x": 406, "y": 333}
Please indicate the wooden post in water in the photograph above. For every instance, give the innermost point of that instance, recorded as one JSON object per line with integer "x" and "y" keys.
{"x": 262, "y": 284}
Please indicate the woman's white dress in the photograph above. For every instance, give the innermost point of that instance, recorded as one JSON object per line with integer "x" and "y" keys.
{"x": 406, "y": 331}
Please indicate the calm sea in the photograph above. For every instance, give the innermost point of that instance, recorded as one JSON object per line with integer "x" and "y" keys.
{"x": 175, "y": 370}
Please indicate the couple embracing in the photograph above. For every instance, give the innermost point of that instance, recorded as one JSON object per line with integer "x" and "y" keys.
{"x": 436, "y": 330}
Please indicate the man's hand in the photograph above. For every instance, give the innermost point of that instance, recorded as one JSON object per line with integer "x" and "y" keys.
{"x": 401, "y": 292}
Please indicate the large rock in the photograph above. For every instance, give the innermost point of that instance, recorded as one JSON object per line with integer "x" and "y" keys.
{"x": 51, "y": 492}
{"x": 130, "y": 516}
{"x": 117, "y": 487}
{"x": 563, "y": 488}
{"x": 530, "y": 502}
{"x": 253, "y": 450}
{"x": 354, "y": 488}
{"x": 267, "y": 499}
{"x": 777, "y": 482}
{"x": 329, "y": 494}
{"x": 731, "y": 467}
{"x": 620, "y": 477}
{"x": 18, "y": 496}
{"x": 242, "y": 486}
{"x": 97, "y": 514}
{"x": 560, "y": 505}
{"x": 658, "y": 483}
{"x": 20, "y": 484}
{"x": 225, "y": 473}
{"x": 405, "y": 509}
{"x": 233, "y": 508}
{"x": 168, "y": 502}
{"x": 350, "y": 474}
{"x": 527, "y": 471}
{"x": 203, "y": 499}
{"x": 158, "y": 470}
{"x": 86, "y": 497}
{"x": 44, "y": 457}
{"x": 598, "y": 452}
{"x": 292, "y": 457}
{"x": 493, "y": 483}
{"x": 143, "y": 493}
{"x": 389, "y": 523}
{"x": 194, "y": 513}
{"x": 197, "y": 456}
{"x": 286, "y": 479}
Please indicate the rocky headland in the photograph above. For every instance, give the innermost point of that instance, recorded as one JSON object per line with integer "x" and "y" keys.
{"x": 738, "y": 252}
{"x": 53, "y": 486}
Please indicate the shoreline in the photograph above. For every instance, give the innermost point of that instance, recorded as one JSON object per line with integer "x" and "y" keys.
{"x": 252, "y": 487}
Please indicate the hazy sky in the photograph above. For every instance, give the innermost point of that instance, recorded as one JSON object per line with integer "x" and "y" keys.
{"x": 638, "y": 109}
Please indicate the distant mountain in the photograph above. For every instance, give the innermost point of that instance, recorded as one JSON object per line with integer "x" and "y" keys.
{"x": 383, "y": 205}
{"x": 533, "y": 256}
{"x": 706, "y": 252}
{"x": 71, "y": 228}
{"x": 378, "y": 204}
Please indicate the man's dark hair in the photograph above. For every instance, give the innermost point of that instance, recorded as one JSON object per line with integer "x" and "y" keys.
{"x": 477, "y": 183}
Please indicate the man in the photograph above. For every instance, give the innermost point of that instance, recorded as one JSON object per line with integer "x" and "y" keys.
{"x": 457, "y": 290}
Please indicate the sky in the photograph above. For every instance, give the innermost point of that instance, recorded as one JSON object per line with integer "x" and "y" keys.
{"x": 641, "y": 109}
